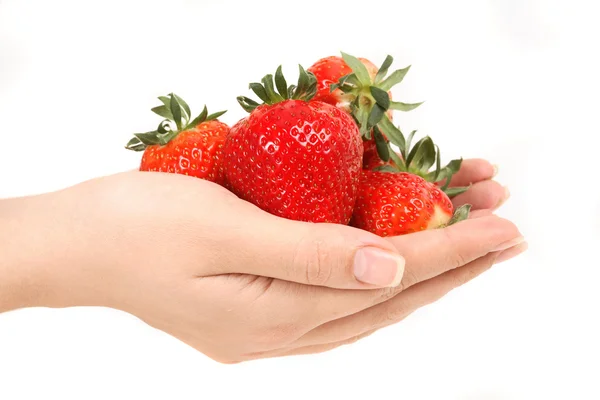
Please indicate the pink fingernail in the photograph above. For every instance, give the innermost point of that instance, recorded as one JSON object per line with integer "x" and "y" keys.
{"x": 378, "y": 267}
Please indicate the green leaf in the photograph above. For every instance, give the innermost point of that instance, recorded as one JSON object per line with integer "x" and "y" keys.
{"x": 375, "y": 116}
{"x": 349, "y": 79}
{"x": 438, "y": 164}
{"x": 148, "y": 138}
{"x": 302, "y": 83}
{"x": 186, "y": 108}
{"x": 358, "y": 68}
{"x": 291, "y": 91}
{"x": 163, "y": 111}
{"x": 455, "y": 191}
{"x": 260, "y": 91}
{"x": 383, "y": 149}
{"x": 454, "y": 165}
{"x": 385, "y": 168}
{"x": 383, "y": 70}
{"x": 363, "y": 120}
{"x": 352, "y": 79}
{"x": 281, "y": 83}
{"x": 398, "y": 105}
{"x": 164, "y": 139}
{"x": 397, "y": 160}
{"x": 270, "y": 89}
{"x": 381, "y": 97}
{"x": 247, "y": 104}
{"x": 138, "y": 147}
{"x": 312, "y": 86}
{"x": 409, "y": 142}
{"x": 393, "y": 134}
{"x": 460, "y": 214}
{"x": 176, "y": 111}
{"x": 200, "y": 118}
{"x": 135, "y": 144}
{"x": 164, "y": 127}
{"x": 216, "y": 115}
{"x": 427, "y": 159}
{"x": 395, "y": 78}
{"x": 166, "y": 101}
{"x": 423, "y": 154}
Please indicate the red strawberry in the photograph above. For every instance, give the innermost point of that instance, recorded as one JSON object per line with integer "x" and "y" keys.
{"x": 357, "y": 86}
{"x": 329, "y": 71}
{"x": 398, "y": 203}
{"x": 192, "y": 148}
{"x": 293, "y": 157}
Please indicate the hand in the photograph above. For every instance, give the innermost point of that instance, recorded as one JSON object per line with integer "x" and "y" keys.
{"x": 236, "y": 283}
{"x": 484, "y": 194}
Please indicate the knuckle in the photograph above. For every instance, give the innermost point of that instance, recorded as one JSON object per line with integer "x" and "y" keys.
{"x": 315, "y": 258}
{"x": 456, "y": 258}
{"x": 386, "y": 294}
{"x": 408, "y": 279}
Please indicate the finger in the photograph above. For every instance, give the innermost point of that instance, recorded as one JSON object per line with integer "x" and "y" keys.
{"x": 316, "y": 254}
{"x": 405, "y": 303}
{"x": 431, "y": 253}
{"x": 472, "y": 171}
{"x": 512, "y": 252}
{"x": 480, "y": 213}
{"x": 483, "y": 195}
{"x": 427, "y": 254}
{"x": 314, "y": 349}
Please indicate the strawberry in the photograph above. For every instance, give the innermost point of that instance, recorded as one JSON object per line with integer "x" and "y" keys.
{"x": 329, "y": 71}
{"x": 401, "y": 195}
{"x": 293, "y": 157}
{"x": 357, "y": 86}
{"x": 398, "y": 203}
{"x": 181, "y": 146}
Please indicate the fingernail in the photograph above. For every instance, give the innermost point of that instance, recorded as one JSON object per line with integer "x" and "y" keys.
{"x": 510, "y": 243}
{"x": 495, "y": 170}
{"x": 378, "y": 267}
{"x": 511, "y": 252}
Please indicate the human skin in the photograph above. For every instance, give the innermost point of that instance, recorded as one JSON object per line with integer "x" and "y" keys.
{"x": 189, "y": 258}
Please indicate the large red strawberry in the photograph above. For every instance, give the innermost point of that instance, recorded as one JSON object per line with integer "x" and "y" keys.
{"x": 398, "y": 203}
{"x": 294, "y": 157}
{"x": 182, "y": 146}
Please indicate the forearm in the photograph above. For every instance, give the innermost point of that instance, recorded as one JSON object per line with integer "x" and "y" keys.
{"x": 40, "y": 263}
{"x": 20, "y": 249}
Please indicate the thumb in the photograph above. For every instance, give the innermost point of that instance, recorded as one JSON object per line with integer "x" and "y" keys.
{"x": 319, "y": 254}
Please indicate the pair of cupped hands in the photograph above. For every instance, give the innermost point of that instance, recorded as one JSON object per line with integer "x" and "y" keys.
{"x": 236, "y": 283}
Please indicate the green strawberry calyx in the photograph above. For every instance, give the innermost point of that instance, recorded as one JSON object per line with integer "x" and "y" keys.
{"x": 371, "y": 99}
{"x": 460, "y": 214}
{"x": 418, "y": 159}
{"x": 177, "y": 118}
{"x": 270, "y": 93}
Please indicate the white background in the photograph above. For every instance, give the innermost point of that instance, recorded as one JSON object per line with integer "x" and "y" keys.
{"x": 514, "y": 81}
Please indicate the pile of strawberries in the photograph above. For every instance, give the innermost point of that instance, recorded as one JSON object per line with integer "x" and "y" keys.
{"x": 321, "y": 150}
